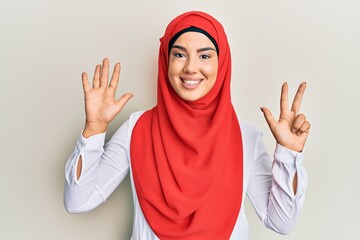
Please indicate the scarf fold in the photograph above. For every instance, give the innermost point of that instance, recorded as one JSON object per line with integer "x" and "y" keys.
{"x": 187, "y": 157}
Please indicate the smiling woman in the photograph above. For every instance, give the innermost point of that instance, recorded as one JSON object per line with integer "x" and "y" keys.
{"x": 193, "y": 65}
{"x": 191, "y": 161}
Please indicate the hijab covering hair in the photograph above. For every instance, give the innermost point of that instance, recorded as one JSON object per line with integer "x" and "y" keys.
{"x": 192, "y": 29}
{"x": 187, "y": 157}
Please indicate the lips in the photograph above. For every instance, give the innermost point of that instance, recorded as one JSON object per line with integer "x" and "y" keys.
{"x": 190, "y": 83}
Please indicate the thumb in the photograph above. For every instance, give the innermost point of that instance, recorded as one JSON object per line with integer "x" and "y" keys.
{"x": 123, "y": 100}
{"x": 269, "y": 117}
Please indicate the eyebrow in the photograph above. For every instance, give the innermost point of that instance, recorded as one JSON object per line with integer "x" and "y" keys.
{"x": 198, "y": 50}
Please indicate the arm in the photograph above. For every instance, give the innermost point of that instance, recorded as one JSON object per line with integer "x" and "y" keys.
{"x": 101, "y": 107}
{"x": 89, "y": 169}
{"x": 277, "y": 191}
{"x": 270, "y": 188}
{"x": 103, "y": 169}
{"x": 292, "y": 128}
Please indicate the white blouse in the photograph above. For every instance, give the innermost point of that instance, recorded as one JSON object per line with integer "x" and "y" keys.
{"x": 267, "y": 183}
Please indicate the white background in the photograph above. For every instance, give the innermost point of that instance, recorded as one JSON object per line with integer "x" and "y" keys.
{"x": 46, "y": 45}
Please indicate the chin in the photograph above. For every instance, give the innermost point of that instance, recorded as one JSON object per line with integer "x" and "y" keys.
{"x": 190, "y": 98}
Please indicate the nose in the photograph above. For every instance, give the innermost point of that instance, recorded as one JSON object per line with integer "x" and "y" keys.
{"x": 191, "y": 65}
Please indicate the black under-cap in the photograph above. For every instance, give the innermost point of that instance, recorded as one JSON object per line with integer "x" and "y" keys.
{"x": 192, "y": 29}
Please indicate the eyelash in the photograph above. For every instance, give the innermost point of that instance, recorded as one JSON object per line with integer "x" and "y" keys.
{"x": 179, "y": 55}
{"x": 202, "y": 56}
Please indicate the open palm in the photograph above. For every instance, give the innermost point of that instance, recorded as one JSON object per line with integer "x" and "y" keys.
{"x": 292, "y": 128}
{"x": 101, "y": 107}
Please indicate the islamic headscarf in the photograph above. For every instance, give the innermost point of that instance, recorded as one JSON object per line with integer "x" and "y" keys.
{"x": 187, "y": 157}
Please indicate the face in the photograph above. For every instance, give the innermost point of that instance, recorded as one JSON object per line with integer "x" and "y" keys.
{"x": 193, "y": 66}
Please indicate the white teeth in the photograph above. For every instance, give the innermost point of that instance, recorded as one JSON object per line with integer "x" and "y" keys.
{"x": 191, "y": 82}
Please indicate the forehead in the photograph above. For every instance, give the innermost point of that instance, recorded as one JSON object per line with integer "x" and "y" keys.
{"x": 194, "y": 39}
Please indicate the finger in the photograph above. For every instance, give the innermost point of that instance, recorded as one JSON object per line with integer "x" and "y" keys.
{"x": 96, "y": 80}
{"x": 269, "y": 117}
{"x": 123, "y": 100}
{"x": 305, "y": 128}
{"x": 298, "y": 122}
{"x": 104, "y": 73}
{"x": 115, "y": 77}
{"x": 85, "y": 82}
{"x": 284, "y": 102}
{"x": 298, "y": 98}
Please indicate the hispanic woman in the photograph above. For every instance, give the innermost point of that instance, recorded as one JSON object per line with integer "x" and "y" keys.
{"x": 191, "y": 160}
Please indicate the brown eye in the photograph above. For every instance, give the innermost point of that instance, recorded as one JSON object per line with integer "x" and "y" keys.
{"x": 204, "y": 56}
{"x": 179, "y": 55}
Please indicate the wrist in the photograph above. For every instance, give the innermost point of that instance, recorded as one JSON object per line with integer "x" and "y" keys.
{"x": 298, "y": 148}
{"x": 93, "y": 129}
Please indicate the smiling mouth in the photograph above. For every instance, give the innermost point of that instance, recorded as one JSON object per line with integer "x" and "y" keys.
{"x": 190, "y": 83}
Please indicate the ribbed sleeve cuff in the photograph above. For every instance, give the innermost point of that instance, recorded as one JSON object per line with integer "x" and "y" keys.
{"x": 91, "y": 143}
{"x": 287, "y": 156}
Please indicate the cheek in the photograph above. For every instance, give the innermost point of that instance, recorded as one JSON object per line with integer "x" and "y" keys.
{"x": 215, "y": 68}
{"x": 211, "y": 71}
{"x": 172, "y": 70}
{"x": 173, "y": 75}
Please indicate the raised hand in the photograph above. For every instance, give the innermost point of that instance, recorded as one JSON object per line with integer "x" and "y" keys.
{"x": 292, "y": 128}
{"x": 101, "y": 107}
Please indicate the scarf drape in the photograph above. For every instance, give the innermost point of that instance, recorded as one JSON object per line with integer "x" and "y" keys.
{"x": 187, "y": 157}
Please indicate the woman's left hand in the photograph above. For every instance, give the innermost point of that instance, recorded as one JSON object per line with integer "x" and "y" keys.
{"x": 292, "y": 128}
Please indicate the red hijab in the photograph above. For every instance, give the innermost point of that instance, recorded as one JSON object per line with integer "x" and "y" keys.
{"x": 187, "y": 157}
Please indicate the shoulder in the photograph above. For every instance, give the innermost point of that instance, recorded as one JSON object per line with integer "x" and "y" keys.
{"x": 250, "y": 131}
{"x": 253, "y": 144}
{"x": 134, "y": 117}
{"x": 125, "y": 130}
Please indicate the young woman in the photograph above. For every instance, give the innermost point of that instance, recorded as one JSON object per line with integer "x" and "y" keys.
{"x": 190, "y": 160}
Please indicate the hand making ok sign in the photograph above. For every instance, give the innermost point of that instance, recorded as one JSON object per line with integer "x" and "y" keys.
{"x": 292, "y": 128}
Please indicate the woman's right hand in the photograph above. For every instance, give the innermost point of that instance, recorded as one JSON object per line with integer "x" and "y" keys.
{"x": 101, "y": 107}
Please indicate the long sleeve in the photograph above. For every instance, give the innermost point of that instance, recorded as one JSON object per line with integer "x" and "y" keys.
{"x": 103, "y": 169}
{"x": 270, "y": 187}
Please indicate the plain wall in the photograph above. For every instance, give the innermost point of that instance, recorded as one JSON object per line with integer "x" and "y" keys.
{"x": 46, "y": 45}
